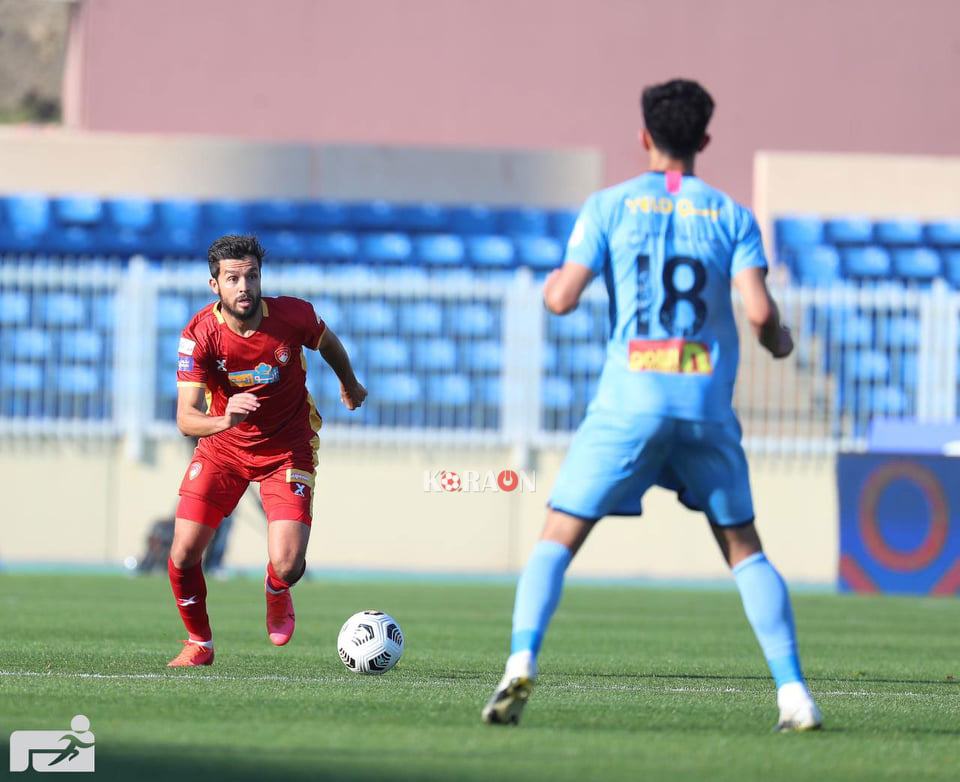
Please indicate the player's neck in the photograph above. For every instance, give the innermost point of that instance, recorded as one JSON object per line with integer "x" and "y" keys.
{"x": 662, "y": 163}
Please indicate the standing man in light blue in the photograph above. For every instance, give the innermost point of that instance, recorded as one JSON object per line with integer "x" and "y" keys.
{"x": 669, "y": 247}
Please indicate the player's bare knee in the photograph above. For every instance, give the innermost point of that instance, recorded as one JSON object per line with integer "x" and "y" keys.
{"x": 185, "y": 556}
{"x": 288, "y": 568}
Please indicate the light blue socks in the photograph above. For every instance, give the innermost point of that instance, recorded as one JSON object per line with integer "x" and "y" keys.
{"x": 538, "y": 594}
{"x": 767, "y": 605}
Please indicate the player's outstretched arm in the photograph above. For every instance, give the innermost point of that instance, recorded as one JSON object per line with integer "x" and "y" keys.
{"x": 352, "y": 393}
{"x": 193, "y": 421}
{"x": 564, "y": 286}
{"x": 762, "y": 312}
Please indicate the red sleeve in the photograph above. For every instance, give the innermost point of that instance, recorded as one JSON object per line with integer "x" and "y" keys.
{"x": 192, "y": 358}
{"x": 313, "y": 327}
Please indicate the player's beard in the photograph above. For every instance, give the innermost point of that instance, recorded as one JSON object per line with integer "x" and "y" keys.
{"x": 251, "y": 313}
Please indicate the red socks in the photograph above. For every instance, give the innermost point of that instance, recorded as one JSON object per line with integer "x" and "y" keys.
{"x": 190, "y": 591}
{"x": 276, "y": 583}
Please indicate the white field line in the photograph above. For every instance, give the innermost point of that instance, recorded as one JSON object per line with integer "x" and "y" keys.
{"x": 450, "y": 682}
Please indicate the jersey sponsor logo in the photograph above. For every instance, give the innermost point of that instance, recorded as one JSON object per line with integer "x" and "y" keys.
{"x": 283, "y": 355}
{"x": 186, "y": 346}
{"x": 299, "y": 476}
{"x": 669, "y": 356}
{"x": 185, "y": 364}
{"x": 300, "y": 489}
{"x": 195, "y": 469}
{"x": 221, "y": 365}
{"x": 684, "y": 207}
{"x": 261, "y": 374}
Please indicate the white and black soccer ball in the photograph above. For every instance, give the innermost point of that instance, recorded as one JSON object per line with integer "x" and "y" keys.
{"x": 370, "y": 642}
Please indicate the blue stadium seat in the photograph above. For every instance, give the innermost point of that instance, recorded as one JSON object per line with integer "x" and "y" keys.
{"x": 284, "y": 245}
{"x": 405, "y": 274}
{"x": 898, "y": 332}
{"x": 386, "y": 248}
{"x": 908, "y": 370}
{"x": 131, "y": 212}
{"x": 796, "y": 232}
{"x": 951, "y": 267}
{"x": 335, "y": 246}
{"x": 943, "y": 233}
{"x": 449, "y": 389}
{"x": 421, "y": 318}
{"x": 105, "y": 311}
{"x": 818, "y": 264}
{"x": 14, "y": 308}
{"x": 849, "y": 328}
{"x": 898, "y": 232}
{"x": 919, "y": 264}
{"x": 561, "y": 224}
{"x": 373, "y": 216}
{"x": 550, "y": 357}
{"x": 79, "y": 209}
{"x": 72, "y": 240}
{"x": 586, "y": 358}
{"x": 490, "y": 252}
{"x": 329, "y": 311}
{"x": 275, "y": 214}
{"x": 81, "y": 346}
{"x": 869, "y": 365}
{"x": 422, "y": 217}
{"x": 173, "y": 312}
{"x": 484, "y": 356}
{"x": 28, "y": 214}
{"x": 177, "y": 228}
{"x": 22, "y": 377}
{"x": 470, "y": 320}
{"x": 523, "y": 221}
{"x": 848, "y": 230}
{"x": 387, "y": 353}
{"x": 539, "y": 253}
{"x": 371, "y": 317}
{"x": 473, "y": 220}
{"x": 27, "y": 343}
{"x": 575, "y": 325}
{"x": 866, "y": 262}
{"x": 225, "y": 216}
{"x": 355, "y": 273}
{"x": 397, "y": 389}
{"x": 888, "y": 400}
{"x": 324, "y": 215}
{"x": 439, "y": 355}
{"x": 557, "y": 393}
{"x": 77, "y": 380}
{"x": 62, "y": 309}
{"x": 487, "y": 391}
{"x": 439, "y": 249}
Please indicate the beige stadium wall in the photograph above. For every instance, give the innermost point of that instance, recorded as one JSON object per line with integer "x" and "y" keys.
{"x": 67, "y": 503}
{"x": 876, "y": 186}
{"x": 155, "y": 165}
{"x": 856, "y": 76}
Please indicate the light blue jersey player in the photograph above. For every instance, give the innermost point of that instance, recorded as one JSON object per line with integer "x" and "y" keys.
{"x": 668, "y": 247}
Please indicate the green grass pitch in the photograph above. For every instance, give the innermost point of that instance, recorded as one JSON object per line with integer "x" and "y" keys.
{"x": 636, "y": 683}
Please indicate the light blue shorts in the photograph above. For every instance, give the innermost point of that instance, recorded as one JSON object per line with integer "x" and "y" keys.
{"x": 614, "y": 458}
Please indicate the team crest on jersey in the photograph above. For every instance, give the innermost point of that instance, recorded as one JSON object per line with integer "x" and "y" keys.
{"x": 194, "y": 470}
{"x": 283, "y": 355}
{"x": 261, "y": 374}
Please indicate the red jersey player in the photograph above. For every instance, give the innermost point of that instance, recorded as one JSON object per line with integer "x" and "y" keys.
{"x": 242, "y": 390}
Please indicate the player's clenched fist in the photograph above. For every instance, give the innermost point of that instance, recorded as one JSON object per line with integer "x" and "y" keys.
{"x": 239, "y": 406}
{"x": 783, "y": 344}
{"x": 352, "y": 396}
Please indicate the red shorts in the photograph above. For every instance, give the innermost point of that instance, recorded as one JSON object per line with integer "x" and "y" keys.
{"x": 211, "y": 488}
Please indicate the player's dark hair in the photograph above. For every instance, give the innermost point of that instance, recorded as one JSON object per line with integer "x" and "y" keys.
{"x": 234, "y": 246}
{"x": 676, "y": 114}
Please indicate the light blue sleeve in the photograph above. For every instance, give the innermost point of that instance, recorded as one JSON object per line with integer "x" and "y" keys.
{"x": 588, "y": 242}
{"x": 748, "y": 250}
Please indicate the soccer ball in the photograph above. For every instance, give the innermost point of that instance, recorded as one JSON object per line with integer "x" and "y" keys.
{"x": 370, "y": 642}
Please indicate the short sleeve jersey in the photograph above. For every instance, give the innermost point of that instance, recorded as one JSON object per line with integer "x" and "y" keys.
{"x": 269, "y": 363}
{"x": 667, "y": 247}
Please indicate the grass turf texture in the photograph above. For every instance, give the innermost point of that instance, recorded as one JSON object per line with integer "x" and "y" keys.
{"x": 636, "y": 684}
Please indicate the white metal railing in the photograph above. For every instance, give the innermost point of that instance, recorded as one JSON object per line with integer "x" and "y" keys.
{"x": 89, "y": 350}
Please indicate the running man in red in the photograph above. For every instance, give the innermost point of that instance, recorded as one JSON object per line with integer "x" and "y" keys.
{"x": 242, "y": 390}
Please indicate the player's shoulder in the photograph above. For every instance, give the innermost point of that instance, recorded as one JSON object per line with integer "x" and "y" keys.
{"x": 289, "y": 309}
{"x": 203, "y": 320}
{"x": 736, "y": 213}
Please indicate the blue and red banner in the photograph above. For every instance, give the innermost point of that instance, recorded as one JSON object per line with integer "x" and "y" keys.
{"x": 899, "y": 524}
